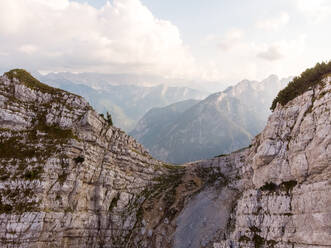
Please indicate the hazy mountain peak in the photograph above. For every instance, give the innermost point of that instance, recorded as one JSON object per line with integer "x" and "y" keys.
{"x": 127, "y": 102}
{"x": 271, "y": 77}
{"x": 222, "y": 122}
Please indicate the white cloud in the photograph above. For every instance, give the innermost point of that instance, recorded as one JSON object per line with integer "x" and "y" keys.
{"x": 274, "y": 23}
{"x": 122, "y": 36}
{"x": 230, "y": 39}
{"x": 244, "y": 57}
{"x": 314, "y": 10}
{"x": 272, "y": 53}
{"x": 125, "y": 37}
{"x": 28, "y": 49}
{"x": 282, "y": 49}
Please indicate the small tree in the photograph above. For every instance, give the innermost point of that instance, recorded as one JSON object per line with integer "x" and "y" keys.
{"x": 109, "y": 119}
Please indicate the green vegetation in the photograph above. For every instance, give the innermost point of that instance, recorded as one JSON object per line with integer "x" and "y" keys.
{"x": 244, "y": 238}
{"x": 62, "y": 177}
{"x": 113, "y": 203}
{"x": 24, "y": 153}
{"x": 136, "y": 151}
{"x": 4, "y": 174}
{"x": 210, "y": 175}
{"x": 79, "y": 159}
{"x": 271, "y": 243}
{"x": 221, "y": 155}
{"x": 25, "y": 77}
{"x": 172, "y": 167}
{"x": 258, "y": 241}
{"x": 68, "y": 210}
{"x": 108, "y": 119}
{"x": 21, "y": 148}
{"x": 286, "y": 187}
{"x": 167, "y": 184}
{"x": 14, "y": 147}
{"x": 269, "y": 187}
{"x": 18, "y": 198}
{"x": 53, "y": 132}
{"x": 309, "y": 78}
{"x": 254, "y": 229}
{"x": 16, "y": 151}
{"x": 33, "y": 174}
{"x": 164, "y": 189}
{"x": 5, "y": 208}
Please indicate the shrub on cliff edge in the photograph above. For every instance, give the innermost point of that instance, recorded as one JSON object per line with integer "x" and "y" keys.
{"x": 301, "y": 84}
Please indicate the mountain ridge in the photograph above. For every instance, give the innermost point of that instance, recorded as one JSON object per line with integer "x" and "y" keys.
{"x": 221, "y": 123}
{"x": 128, "y": 103}
{"x": 95, "y": 186}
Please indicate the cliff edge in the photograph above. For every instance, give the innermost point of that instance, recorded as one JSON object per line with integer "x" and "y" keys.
{"x": 69, "y": 179}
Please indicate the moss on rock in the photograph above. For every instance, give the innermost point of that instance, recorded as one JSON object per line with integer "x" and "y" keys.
{"x": 28, "y": 80}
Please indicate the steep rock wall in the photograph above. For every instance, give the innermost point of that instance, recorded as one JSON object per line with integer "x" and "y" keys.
{"x": 288, "y": 202}
{"x": 276, "y": 193}
{"x": 68, "y": 179}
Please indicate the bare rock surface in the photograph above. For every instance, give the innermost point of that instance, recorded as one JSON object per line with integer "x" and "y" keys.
{"x": 69, "y": 179}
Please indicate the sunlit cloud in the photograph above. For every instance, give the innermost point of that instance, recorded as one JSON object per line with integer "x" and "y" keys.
{"x": 123, "y": 36}
{"x": 272, "y": 53}
{"x": 231, "y": 39}
{"x": 314, "y": 10}
{"x": 274, "y": 23}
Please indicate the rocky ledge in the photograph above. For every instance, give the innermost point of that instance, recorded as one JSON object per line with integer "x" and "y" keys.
{"x": 70, "y": 179}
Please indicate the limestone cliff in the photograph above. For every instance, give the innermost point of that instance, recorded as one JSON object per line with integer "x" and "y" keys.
{"x": 69, "y": 179}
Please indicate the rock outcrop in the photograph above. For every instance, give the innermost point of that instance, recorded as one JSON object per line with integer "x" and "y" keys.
{"x": 64, "y": 170}
{"x": 69, "y": 179}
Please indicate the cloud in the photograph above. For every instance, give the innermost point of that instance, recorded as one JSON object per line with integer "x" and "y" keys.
{"x": 271, "y": 54}
{"x": 245, "y": 57}
{"x": 122, "y": 36}
{"x": 274, "y": 23}
{"x": 230, "y": 39}
{"x": 314, "y": 10}
{"x": 282, "y": 49}
{"x": 28, "y": 49}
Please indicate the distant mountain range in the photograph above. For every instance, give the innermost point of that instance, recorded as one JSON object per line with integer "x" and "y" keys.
{"x": 126, "y": 102}
{"x": 175, "y": 124}
{"x": 221, "y": 123}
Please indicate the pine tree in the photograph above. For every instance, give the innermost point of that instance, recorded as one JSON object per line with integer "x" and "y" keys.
{"x": 109, "y": 119}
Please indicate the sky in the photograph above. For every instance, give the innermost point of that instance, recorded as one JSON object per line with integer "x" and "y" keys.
{"x": 214, "y": 42}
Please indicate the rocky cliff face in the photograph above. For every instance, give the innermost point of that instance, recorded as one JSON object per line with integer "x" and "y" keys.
{"x": 288, "y": 203}
{"x": 68, "y": 179}
{"x": 64, "y": 170}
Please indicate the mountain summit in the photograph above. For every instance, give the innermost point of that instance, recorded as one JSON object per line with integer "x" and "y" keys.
{"x": 221, "y": 123}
